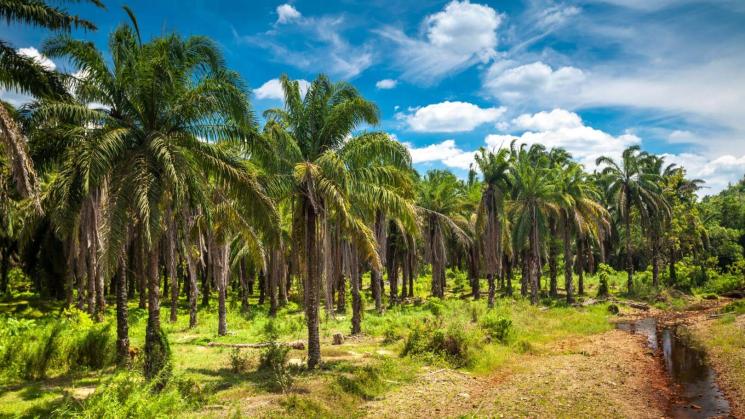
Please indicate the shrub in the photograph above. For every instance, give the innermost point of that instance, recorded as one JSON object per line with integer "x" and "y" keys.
{"x": 497, "y": 327}
{"x": 456, "y": 344}
{"x": 273, "y": 360}
{"x": 128, "y": 395}
{"x": 435, "y": 306}
{"x": 239, "y": 361}
{"x": 94, "y": 348}
{"x": 604, "y": 273}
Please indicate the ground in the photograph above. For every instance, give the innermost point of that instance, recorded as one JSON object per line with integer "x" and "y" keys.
{"x": 556, "y": 361}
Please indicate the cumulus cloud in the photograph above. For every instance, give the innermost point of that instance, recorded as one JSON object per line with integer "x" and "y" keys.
{"x": 445, "y": 152}
{"x": 717, "y": 172}
{"x": 564, "y": 129}
{"x": 272, "y": 89}
{"x": 286, "y": 13}
{"x": 534, "y": 81}
{"x": 37, "y": 56}
{"x": 386, "y": 84}
{"x": 449, "y": 117}
{"x": 460, "y": 35}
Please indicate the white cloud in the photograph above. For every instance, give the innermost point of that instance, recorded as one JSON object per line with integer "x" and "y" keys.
{"x": 272, "y": 89}
{"x": 386, "y": 84}
{"x": 40, "y": 58}
{"x": 560, "y": 128}
{"x": 286, "y": 13}
{"x": 547, "y": 121}
{"x": 681, "y": 136}
{"x": 460, "y": 35}
{"x": 530, "y": 82}
{"x": 313, "y": 44}
{"x": 449, "y": 117}
{"x": 445, "y": 152}
{"x": 717, "y": 172}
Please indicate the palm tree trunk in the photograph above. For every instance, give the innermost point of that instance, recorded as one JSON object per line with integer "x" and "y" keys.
{"x": 655, "y": 260}
{"x": 534, "y": 257}
{"x": 353, "y": 271}
{"x": 156, "y": 352}
{"x": 508, "y": 272}
{"x": 580, "y": 266}
{"x": 438, "y": 258}
{"x": 568, "y": 282}
{"x": 629, "y": 261}
{"x": 524, "y": 273}
{"x": 672, "y": 273}
{"x": 553, "y": 288}
{"x": 141, "y": 274}
{"x": 171, "y": 265}
{"x": 221, "y": 270}
{"x": 376, "y": 276}
{"x": 492, "y": 289}
{"x": 312, "y": 283}
{"x": 193, "y": 291}
{"x": 473, "y": 271}
{"x": 122, "y": 314}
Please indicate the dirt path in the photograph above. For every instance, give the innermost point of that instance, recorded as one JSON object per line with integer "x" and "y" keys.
{"x": 607, "y": 375}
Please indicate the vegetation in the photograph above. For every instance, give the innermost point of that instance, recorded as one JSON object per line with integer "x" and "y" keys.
{"x": 144, "y": 180}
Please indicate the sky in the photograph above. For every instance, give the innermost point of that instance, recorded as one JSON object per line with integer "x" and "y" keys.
{"x": 591, "y": 76}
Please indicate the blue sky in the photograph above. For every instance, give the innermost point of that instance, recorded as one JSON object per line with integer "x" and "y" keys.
{"x": 591, "y": 76}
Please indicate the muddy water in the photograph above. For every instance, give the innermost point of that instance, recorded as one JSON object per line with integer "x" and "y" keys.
{"x": 695, "y": 381}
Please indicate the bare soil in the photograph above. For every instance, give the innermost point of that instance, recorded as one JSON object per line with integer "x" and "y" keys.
{"x": 608, "y": 375}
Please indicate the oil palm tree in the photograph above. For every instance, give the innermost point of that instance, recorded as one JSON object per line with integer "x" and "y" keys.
{"x": 490, "y": 214}
{"x": 441, "y": 203}
{"x": 313, "y": 134}
{"x": 631, "y": 186}
{"x": 166, "y": 103}
{"x": 26, "y": 75}
{"x": 535, "y": 200}
{"x": 580, "y": 213}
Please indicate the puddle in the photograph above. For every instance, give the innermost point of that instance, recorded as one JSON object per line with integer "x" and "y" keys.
{"x": 687, "y": 367}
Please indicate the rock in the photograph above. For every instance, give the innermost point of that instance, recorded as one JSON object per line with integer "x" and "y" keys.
{"x": 338, "y": 339}
{"x": 613, "y": 309}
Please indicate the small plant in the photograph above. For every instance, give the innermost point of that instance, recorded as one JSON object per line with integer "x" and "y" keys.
{"x": 391, "y": 334}
{"x": 455, "y": 344}
{"x": 604, "y": 272}
{"x": 497, "y": 327}
{"x": 239, "y": 361}
{"x": 273, "y": 360}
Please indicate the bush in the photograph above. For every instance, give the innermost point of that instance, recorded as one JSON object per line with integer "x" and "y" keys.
{"x": 94, "y": 348}
{"x": 128, "y": 395}
{"x": 435, "y": 306}
{"x": 273, "y": 360}
{"x": 496, "y": 327}
{"x": 604, "y": 273}
{"x": 455, "y": 344}
{"x": 239, "y": 361}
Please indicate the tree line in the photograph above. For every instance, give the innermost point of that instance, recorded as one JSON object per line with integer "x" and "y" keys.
{"x": 146, "y": 175}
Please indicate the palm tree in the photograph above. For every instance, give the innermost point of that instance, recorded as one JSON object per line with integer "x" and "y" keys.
{"x": 311, "y": 166}
{"x": 490, "y": 221}
{"x": 166, "y": 103}
{"x": 535, "y": 200}
{"x": 26, "y": 75}
{"x": 631, "y": 186}
{"x": 441, "y": 202}
{"x": 581, "y": 214}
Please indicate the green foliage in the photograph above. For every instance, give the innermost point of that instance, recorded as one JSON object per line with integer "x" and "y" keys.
{"x": 497, "y": 327}
{"x": 456, "y": 344}
{"x": 273, "y": 361}
{"x": 33, "y": 349}
{"x": 371, "y": 381}
{"x": 239, "y": 361}
{"x": 128, "y": 395}
{"x": 604, "y": 274}
{"x": 157, "y": 365}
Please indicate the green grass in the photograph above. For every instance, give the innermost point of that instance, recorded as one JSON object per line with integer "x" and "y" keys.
{"x": 358, "y": 371}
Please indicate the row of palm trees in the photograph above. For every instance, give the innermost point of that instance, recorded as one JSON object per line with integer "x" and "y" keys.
{"x": 153, "y": 173}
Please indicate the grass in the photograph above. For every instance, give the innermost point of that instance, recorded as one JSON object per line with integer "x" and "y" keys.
{"x": 360, "y": 370}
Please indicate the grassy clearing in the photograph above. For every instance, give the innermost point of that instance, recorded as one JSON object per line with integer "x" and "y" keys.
{"x": 207, "y": 382}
